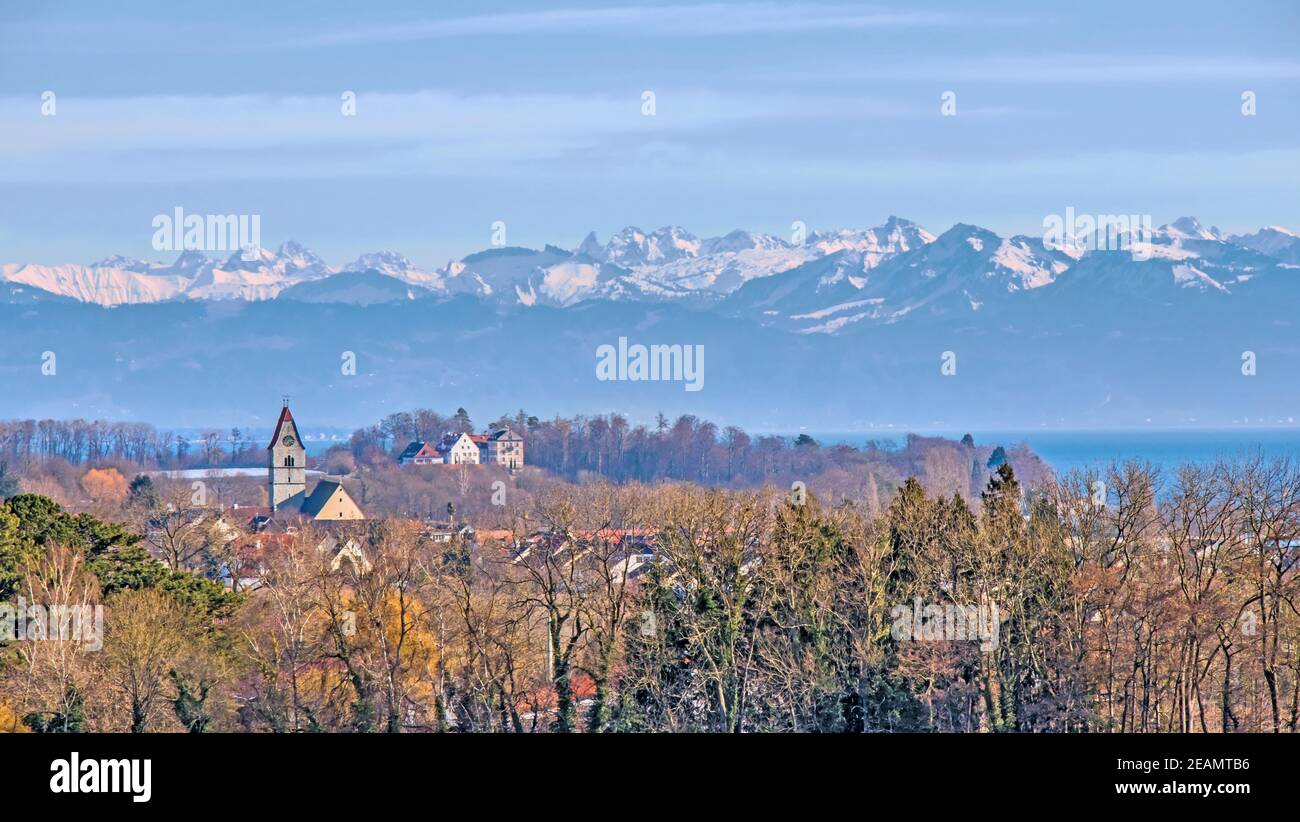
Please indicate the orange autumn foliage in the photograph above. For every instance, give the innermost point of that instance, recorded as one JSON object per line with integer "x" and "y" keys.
{"x": 104, "y": 485}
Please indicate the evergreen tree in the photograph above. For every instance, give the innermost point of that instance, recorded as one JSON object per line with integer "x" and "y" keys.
{"x": 70, "y": 720}
{"x": 997, "y": 458}
{"x": 911, "y": 520}
{"x": 143, "y": 491}
{"x": 462, "y": 420}
{"x": 190, "y": 703}
{"x": 8, "y": 483}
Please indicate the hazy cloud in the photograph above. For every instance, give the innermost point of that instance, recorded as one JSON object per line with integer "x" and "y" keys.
{"x": 709, "y": 19}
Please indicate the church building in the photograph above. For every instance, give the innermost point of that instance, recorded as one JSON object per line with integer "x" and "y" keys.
{"x": 286, "y": 480}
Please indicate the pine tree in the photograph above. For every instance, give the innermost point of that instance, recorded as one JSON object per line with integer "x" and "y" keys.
{"x": 190, "y": 706}
{"x": 998, "y": 457}
{"x": 143, "y": 491}
{"x": 462, "y": 420}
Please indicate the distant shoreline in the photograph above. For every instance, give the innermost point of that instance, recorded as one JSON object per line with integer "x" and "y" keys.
{"x": 1065, "y": 450}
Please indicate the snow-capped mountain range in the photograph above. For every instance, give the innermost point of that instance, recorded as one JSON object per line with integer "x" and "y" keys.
{"x": 830, "y": 281}
{"x": 846, "y": 330}
{"x": 664, "y": 264}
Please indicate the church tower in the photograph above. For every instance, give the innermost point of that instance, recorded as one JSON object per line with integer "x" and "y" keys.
{"x": 286, "y": 473}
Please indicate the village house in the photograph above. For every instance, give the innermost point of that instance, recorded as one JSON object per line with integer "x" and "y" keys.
{"x": 245, "y": 566}
{"x": 498, "y": 447}
{"x": 458, "y": 449}
{"x": 420, "y": 453}
{"x": 328, "y": 510}
{"x": 503, "y": 447}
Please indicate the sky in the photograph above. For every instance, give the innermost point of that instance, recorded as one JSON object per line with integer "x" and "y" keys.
{"x": 534, "y": 114}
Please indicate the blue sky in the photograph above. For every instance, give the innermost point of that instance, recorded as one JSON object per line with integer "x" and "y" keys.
{"x": 530, "y": 113}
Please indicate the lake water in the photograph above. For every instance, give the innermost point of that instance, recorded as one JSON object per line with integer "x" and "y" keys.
{"x": 219, "y": 473}
{"x": 1067, "y": 450}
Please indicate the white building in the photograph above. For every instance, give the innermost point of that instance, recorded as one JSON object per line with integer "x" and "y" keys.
{"x": 459, "y": 449}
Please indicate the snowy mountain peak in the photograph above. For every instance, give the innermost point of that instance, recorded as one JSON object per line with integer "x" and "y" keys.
{"x": 387, "y": 262}
{"x": 965, "y": 238}
{"x": 299, "y": 255}
{"x": 392, "y": 264}
{"x": 252, "y": 260}
{"x": 190, "y": 264}
{"x": 1277, "y": 229}
{"x": 888, "y": 271}
{"x": 1029, "y": 263}
{"x": 124, "y": 264}
{"x": 1273, "y": 240}
{"x": 292, "y": 259}
{"x": 675, "y": 241}
{"x": 633, "y": 247}
{"x": 741, "y": 240}
{"x": 895, "y": 236}
{"x": 903, "y": 235}
{"x": 591, "y": 247}
{"x": 1188, "y": 228}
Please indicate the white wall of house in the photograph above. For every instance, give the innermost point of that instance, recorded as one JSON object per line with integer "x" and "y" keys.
{"x": 463, "y": 452}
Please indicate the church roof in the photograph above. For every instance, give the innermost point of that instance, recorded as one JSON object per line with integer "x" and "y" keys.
{"x": 312, "y": 505}
{"x": 285, "y": 416}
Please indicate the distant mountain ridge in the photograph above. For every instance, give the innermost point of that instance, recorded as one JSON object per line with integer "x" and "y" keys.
{"x": 845, "y": 331}
{"x": 831, "y": 280}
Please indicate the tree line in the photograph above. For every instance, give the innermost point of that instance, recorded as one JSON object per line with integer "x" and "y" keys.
{"x": 81, "y": 441}
{"x": 687, "y": 449}
{"x": 696, "y": 450}
{"x": 1123, "y": 602}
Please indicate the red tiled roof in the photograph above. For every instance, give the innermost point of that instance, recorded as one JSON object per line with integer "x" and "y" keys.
{"x": 411, "y": 450}
{"x": 285, "y": 416}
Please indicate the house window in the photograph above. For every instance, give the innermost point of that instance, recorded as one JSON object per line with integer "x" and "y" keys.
{"x": 288, "y": 462}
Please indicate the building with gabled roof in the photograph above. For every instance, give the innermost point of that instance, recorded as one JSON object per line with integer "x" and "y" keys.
{"x": 286, "y": 480}
{"x": 337, "y": 552}
{"x": 500, "y": 446}
{"x": 420, "y": 453}
{"x": 245, "y": 566}
{"x": 329, "y": 500}
{"x": 503, "y": 447}
{"x": 459, "y": 449}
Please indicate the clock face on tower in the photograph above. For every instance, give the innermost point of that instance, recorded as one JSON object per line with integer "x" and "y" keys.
{"x": 288, "y": 440}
